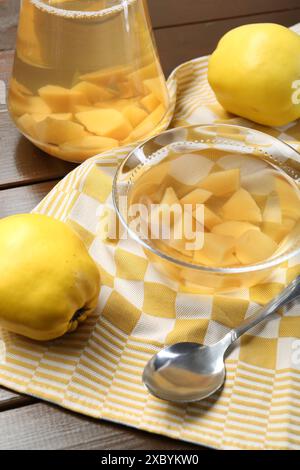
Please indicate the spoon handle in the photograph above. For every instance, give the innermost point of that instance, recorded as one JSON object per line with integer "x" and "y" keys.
{"x": 291, "y": 292}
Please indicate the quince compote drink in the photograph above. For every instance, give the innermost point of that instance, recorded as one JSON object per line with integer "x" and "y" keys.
{"x": 250, "y": 209}
{"x": 86, "y": 76}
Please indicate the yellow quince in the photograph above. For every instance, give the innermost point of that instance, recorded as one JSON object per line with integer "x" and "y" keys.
{"x": 48, "y": 280}
{"x": 254, "y": 73}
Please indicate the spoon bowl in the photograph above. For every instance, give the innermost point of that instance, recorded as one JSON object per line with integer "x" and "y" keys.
{"x": 185, "y": 372}
{"x": 189, "y": 372}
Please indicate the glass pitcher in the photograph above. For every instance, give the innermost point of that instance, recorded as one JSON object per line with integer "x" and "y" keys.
{"x": 86, "y": 76}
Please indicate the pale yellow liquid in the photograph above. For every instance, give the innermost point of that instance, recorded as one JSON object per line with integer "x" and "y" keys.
{"x": 275, "y": 194}
{"x": 63, "y": 44}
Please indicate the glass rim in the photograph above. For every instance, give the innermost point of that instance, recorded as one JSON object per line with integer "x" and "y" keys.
{"x": 79, "y": 14}
{"x": 185, "y": 264}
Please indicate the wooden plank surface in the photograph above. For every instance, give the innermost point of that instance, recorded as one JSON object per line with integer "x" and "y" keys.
{"x": 163, "y": 13}
{"x": 9, "y": 401}
{"x": 177, "y": 45}
{"x": 9, "y": 16}
{"x": 41, "y": 426}
{"x": 172, "y": 13}
{"x": 22, "y": 162}
{"x": 24, "y": 198}
{"x": 6, "y": 395}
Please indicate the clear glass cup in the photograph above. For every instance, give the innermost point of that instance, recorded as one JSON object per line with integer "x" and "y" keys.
{"x": 236, "y": 141}
{"x": 86, "y": 76}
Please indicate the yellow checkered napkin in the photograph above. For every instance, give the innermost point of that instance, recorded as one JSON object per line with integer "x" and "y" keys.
{"x": 97, "y": 370}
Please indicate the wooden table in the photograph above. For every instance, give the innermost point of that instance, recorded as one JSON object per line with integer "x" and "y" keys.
{"x": 183, "y": 30}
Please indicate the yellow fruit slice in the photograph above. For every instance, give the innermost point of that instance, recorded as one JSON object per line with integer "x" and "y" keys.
{"x": 28, "y": 105}
{"x": 58, "y": 131}
{"x": 134, "y": 114}
{"x": 197, "y": 196}
{"x": 233, "y": 228}
{"x": 170, "y": 197}
{"x": 278, "y": 231}
{"x": 110, "y": 76}
{"x": 149, "y": 71}
{"x": 79, "y": 108}
{"x": 254, "y": 246}
{"x": 229, "y": 260}
{"x": 88, "y": 146}
{"x": 242, "y": 207}
{"x": 148, "y": 125}
{"x": 164, "y": 213}
{"x": 261, "y": 201}
{"x": 150, "y": 102}
{"x": 118, "y": 104}
{"x": 272, "y": 209}
{"x": 156, "y": 87}
{"x": 62, "y": 100}
{"x": 94, "y": 92}
{"x": 181, "y": 235}
{"x": 105, "y": 123}
{"x": 215, "y": 249}
{"x": 176, "y": 239}
{"x": 127, "y": 89}
{"x": 27, "y": 125}
{"x": 210, "y": 218}
{"x": 62, "y": 116}
{"x": 222, "y": 182}
{"x": 289, "y": 199}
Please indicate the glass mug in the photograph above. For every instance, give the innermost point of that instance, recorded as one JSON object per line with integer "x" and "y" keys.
{"x": 86, "y": 76}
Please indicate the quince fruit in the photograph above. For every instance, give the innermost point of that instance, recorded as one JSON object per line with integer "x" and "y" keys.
{"x": 254, "y": 71}
{"x": 49, "y": 282}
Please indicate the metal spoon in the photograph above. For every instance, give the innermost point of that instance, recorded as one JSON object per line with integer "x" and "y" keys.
{"x": 189, "y": 372}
